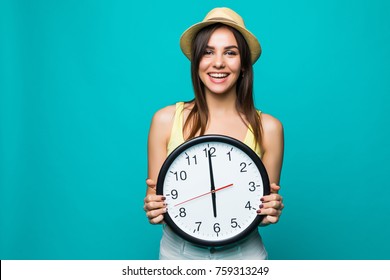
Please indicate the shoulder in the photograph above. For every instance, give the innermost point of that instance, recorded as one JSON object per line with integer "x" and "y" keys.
{"x": 164, "y": 116}
{"x": 272, "y": 130}
{"x": 162, "y": 122}
{"x": 270, "y": 124}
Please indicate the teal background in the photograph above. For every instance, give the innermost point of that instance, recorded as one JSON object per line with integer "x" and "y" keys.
{"x": 80, "y": 81}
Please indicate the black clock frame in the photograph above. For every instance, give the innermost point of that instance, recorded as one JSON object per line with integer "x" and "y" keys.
{"x": 212, "y": 138}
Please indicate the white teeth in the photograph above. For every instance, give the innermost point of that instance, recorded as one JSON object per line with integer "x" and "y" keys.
{"x": 218, "y": 75}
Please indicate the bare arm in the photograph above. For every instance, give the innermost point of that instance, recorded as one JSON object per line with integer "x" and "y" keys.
{"x": 273, "y": 149}
{"x": 159, "y": 134}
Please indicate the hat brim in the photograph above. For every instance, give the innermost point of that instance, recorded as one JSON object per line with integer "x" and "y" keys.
{"x": 188, "y": 35}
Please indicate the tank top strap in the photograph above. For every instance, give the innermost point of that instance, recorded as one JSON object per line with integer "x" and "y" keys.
{"x": 250, "y": 139}
{"x": 176, "y": 138}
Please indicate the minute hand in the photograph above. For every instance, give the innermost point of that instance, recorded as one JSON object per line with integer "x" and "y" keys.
{"x": 198, "y": 196}
{"x": 213, "y": 197}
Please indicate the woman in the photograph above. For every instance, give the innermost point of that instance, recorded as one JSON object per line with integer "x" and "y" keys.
{"x": 222, "y": 52}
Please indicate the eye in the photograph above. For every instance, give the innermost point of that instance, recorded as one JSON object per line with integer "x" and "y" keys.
{"x": 208, "y": 52}
{"x": 231, "y": 53}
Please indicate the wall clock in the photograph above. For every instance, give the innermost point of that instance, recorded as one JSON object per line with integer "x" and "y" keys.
{"x": 213, "y": 185}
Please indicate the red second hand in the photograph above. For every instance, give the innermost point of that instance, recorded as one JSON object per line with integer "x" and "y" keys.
{"x": 221, "y": 188}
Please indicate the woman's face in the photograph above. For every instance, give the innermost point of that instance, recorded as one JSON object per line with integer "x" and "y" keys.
{"x": 220, "y": 66}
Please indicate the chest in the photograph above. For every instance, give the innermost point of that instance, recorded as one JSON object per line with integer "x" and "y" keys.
{"x": 232, "y": 127}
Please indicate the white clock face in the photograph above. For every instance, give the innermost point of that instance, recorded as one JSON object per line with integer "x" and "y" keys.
{"x": 213, "y": 190}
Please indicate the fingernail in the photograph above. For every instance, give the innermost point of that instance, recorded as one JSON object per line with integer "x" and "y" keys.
{"x": 258, "y": 211}
{"x": 163, "y": 198}
{"x": 261, "y": 206}
{"x": 165, "y": 210}
{"x": 262, "y": 199}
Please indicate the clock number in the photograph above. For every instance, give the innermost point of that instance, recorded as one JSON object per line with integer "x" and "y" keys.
{"x": 252, "y": 186}
{"x": 212, "y": 151}
{"x": 243, "y": 165}
{"x": 198, "y": 223}
{"x": 230, "y": 155}
{"x": 248, "y": 205}
{"x": 182, "y": 175}
{"x": 233, "y": 223}
{"x": 174, "y": 194}
{"x": 217, "y": 229}
{"x": 189, "y": 159}
{"x": 182, "y": 212}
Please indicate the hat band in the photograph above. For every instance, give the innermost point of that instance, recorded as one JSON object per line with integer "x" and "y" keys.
{"x": 222, "y": 19}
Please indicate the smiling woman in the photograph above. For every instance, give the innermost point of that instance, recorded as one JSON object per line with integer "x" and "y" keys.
{"x": 222, "y": 52}
{"x": 220, "y": 65}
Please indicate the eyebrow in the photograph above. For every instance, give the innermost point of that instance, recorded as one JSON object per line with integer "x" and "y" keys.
{"x": 226, "y": 48}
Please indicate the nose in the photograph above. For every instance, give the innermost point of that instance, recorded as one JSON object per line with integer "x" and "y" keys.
{"x": 219, "y": 61}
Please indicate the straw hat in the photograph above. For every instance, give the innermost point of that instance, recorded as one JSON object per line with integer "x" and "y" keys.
{"x": 225, "y": 16}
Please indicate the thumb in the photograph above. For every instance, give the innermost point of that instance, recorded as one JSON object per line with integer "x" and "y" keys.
{"x": 275, "y": 188}
{"x": 151, "y": 184}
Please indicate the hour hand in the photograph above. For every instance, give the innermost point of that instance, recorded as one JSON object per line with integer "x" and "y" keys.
{"x": 213, "y": 197}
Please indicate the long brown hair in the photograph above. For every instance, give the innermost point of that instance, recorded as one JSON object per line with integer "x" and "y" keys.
{"x": 198, "y": 116}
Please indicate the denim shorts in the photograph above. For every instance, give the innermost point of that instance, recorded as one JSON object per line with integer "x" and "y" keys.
{"x": 173, "y": 247}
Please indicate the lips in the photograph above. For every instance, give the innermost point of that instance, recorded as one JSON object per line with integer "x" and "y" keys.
{"x": 218, "y": 78}
{"x": 218, "y": 75}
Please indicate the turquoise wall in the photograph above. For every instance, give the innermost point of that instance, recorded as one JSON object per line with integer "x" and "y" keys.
{"x": 80, "y": 81}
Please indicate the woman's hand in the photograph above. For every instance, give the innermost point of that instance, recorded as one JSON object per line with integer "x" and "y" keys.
{"x": 154, "y": 205}
{"x": 272, "y": 206}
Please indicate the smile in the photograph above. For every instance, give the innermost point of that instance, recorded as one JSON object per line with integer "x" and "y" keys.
{"x": 218, "y": 75}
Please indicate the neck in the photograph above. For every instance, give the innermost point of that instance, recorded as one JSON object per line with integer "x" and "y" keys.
{"x": 221, "y": 104}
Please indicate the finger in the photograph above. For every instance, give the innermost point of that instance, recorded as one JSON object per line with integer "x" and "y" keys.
{"x": 276, "y": 204}
{"x": 275, "y": 188}
{"x": 153, "y": 197}
{"x": 151, "y": 184}
{"x": 155, "y": 213}
{"x": 271, "y": 197}
{"x": 271, "y": 219}
{"x": 158, "y": 220}
{"x": 154, "y": 205}
{"x": 269, "y": 212}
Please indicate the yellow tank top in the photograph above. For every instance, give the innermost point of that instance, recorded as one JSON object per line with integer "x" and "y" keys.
{"x": 177, "y": 137}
